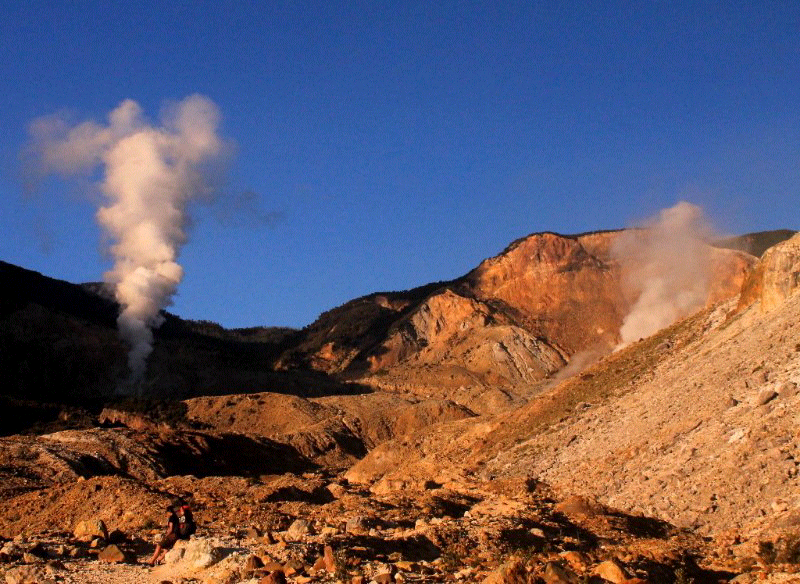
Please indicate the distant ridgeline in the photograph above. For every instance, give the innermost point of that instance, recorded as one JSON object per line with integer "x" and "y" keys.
{"x": 59, "y": 341}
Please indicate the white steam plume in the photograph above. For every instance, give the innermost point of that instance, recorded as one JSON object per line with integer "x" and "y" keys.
{"x": 149, "y": 176}
{"x": 666, "y": 269}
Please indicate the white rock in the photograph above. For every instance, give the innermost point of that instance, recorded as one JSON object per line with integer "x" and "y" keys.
{"x": 200, "y": 554}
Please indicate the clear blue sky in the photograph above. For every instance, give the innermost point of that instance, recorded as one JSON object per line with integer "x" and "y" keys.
{"x": 390, "y": 144}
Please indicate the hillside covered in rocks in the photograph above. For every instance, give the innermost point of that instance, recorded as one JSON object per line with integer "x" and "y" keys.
{"x": 490, "y": 429}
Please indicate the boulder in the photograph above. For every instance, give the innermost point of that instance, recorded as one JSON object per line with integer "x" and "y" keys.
{"x": 358, "y": 525}
{"x": 764, "y": 397}
{"x": 200, "y": 554}
{"x": 576, "y": 560}
{"x": 329, "y": 559}
{"x": 252, "y": 564}
{"x": 89, "y": 529}
{"x": 612, "y": 571}
{"x": 513, "y": 572}
{"x": 24, "y": 575}
{"x": 577, "y": 505}
{"x": 276, "y": 577}
{"x": 298, "y": 530}
{"x": 112, "y": 554}
{"x": 556, "y": 574}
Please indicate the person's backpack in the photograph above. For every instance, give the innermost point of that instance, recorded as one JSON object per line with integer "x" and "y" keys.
{"x": 186, "y": 525}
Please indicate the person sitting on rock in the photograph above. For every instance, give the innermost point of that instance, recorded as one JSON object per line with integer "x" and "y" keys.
{"x": 180, "y": 525}
{"x": 186, "y": 524}
{"x": 168, "y": 539}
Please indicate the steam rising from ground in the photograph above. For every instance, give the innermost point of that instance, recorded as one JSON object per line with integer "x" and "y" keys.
{"x": 666, "y": 269}
{"x": 149, "y": 175}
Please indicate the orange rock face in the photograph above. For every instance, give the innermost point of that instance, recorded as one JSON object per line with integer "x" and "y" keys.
{"x": 515, "y": 319}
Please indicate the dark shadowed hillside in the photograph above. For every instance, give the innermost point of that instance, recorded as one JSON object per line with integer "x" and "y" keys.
{"x": 59, "y": 345}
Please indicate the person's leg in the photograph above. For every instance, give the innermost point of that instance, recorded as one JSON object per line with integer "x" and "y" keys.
{"x": 154, "y": 560}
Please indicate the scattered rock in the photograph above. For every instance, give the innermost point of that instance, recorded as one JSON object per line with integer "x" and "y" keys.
{"x": 111, "y": 554}
{"x": 764, "y": 397}
{"x": 577, "y": 560}
{"x": 252, "y": 533}
{"x": 252, "y": 564}
{"x": 329, "y": 559}
{"x": 579, "y": 506}
{"x": 24, "y": 575}
{"x": 89, "y": 529}
{"x": 556, "y": 574}
{"x": 612, "y": 571}
{"x": 513, "y": 572}
{"x": 201, "y": 553}
{"x": 30, "y": 558}
{"x": 357, "y": 525}
{"x": 787, "y": 389}
{"x": 298, "y": 530}
{"x": 276, "y": 577}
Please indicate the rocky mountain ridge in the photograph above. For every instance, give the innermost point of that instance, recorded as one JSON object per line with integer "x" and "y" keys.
{"x": 436, "y": 435}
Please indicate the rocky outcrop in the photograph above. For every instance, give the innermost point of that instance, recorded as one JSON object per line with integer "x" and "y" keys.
{"x": 514, "y": 320}
{"x": 775, "y": 277}
{"x": 457, "y": 340}
{"x": 563, "y": 291}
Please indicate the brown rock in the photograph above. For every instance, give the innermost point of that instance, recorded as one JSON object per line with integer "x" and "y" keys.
{"x": 511, "y": 573}
{"x": 24, "y": 575}
{"x": 89, "y": 529}
{"x": 319, "y": 565}
{"x": 612, "y": 571}
{"x": 111, "y": 554}
{"x": 556, "y": 574}
{"x": 576, "y": 560}
{"x": 358, "y": 580}
{"x": 116, "y": 536}
{"x": 276, "y": 577}
{"x": 252, "y": 564}
{"x": 385, "y": 578}
{"x": 336, "y": 490}
{"x": 298, "y": 530}
{"x": 329, "y": 559}
{"x": 358, "y": 525}
{"x": 764, "y": 397}
{"x": 404, "y": 566}
{"x": 273, "y": 566}
{"x": 293, "y": 567}
{"x": 579, "y": 506}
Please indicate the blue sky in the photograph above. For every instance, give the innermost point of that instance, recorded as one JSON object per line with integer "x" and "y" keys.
{"x": 384, "y": 145}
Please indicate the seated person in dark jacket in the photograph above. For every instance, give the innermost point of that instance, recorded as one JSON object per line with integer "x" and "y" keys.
{"x": 180, "y": 525}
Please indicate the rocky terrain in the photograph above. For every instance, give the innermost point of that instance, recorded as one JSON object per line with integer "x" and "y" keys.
{"x": 489, "y": 429}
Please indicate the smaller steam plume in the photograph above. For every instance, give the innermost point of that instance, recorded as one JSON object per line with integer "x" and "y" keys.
{"x": 666, "y": 269}
{"x": 149, "y": 174}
